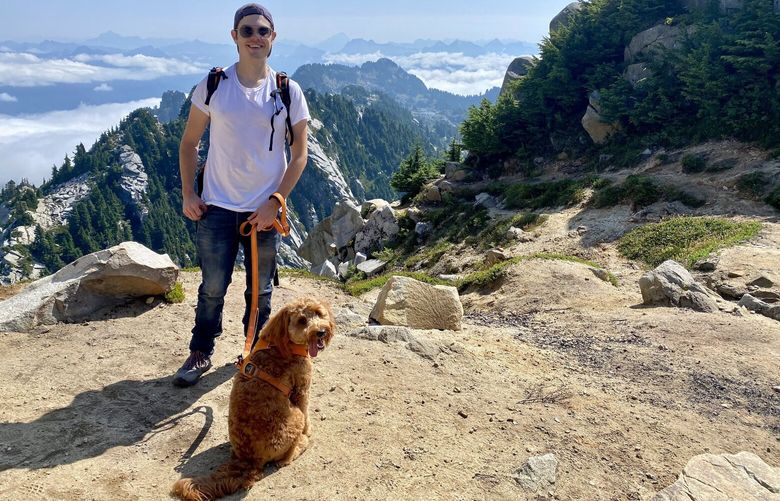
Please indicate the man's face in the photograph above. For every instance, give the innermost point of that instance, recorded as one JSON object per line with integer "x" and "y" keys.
{"x": 254, "y": 37}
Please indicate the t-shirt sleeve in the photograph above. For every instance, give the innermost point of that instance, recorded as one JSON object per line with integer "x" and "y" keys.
{"x": 199, "y": 97}
{"x": 300, "y": 110}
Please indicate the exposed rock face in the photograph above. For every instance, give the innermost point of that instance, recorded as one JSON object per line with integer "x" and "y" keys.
{"x": 55, "y": 208}
{"x": 346, "y": 222}
{"x": 670, "y": 283}
{"x": 742, "y": 476}
{"x": 598, "y": 130}
{"x": 134, "y": 180}
{"x": 411, "y": 303}
{"x": 319, "y": 244}
{"x": 382, "y": 225}
{"x": 564, "y": 16}
{"x": 648, "y": 44}
{"x": 83, "y": 287}
{"x": 517, "y": 70}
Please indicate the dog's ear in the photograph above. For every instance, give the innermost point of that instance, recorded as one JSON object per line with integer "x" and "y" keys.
{"x": 275, "y": 332}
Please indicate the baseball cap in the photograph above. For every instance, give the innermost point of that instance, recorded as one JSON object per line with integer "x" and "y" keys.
{"x": 250, "y": 9}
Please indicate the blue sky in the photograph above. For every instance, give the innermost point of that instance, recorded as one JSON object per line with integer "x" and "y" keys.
{"x": 304, "y": 20}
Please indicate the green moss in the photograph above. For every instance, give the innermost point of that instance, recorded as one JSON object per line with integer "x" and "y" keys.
{"x": 176, "y": 294}
{"x": 684, "y": 239}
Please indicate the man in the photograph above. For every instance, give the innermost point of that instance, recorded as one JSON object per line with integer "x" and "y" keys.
{"x": 246, "y": 167}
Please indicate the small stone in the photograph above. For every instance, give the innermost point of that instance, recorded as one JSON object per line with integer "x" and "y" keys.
{"x": 462, "y": 414}
{"x": 776, "y": 388}
{"x": 150, "y": 300}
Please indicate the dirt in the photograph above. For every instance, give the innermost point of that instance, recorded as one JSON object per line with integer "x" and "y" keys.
{"x": 550, "y": 360}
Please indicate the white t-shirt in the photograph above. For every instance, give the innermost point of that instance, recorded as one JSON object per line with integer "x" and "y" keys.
{"x": 240, "y": 171}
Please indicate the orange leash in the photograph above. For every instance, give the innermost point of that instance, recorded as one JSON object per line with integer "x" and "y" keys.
{"x": 247, "y": 229}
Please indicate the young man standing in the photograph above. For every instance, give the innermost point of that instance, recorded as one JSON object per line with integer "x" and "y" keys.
{"x": 246, "y": 167}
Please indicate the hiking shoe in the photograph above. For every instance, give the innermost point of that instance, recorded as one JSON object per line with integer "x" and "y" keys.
{"x": 189, "y": 373}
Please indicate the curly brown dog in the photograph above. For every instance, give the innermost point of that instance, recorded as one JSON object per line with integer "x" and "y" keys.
{"x": 268, "y": 418}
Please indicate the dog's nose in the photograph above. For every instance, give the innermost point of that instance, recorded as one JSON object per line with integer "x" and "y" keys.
{"x": 321, "y": 334}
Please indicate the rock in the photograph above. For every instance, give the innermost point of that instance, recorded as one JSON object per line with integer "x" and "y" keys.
{"x": 753, "y": 304}
{"x": 382, "y": 226}
{"x": 347, "y": 319}
{"x": 670, "y": 283}
{"x": 431, "y": 193}
{"x": 485, "y": 200}
{"x": 658, "y": 211}
{"x": 564, "y": 16}
{"x": 369, "y": 206}
{"x": 372, "y": 267}
{"x": 134, "y": 180}
{"x": 411, "y": 303}
{"x": 424, "y": 348}
{"x": 538, "y": 474}
{"x": 636, "y": 72}
{"x": 422, "y": 230}
{"x": 445, "y": 186}
{"x": 455, "y": 171}
{"x": 343, "y": 269}
{"x": 359, "y": 258}
{"x": 317, "y": 246}
{"x": 105, "y": 278}
{"x": 494, "y": 256}
{"x": 517, "y": 69}
{"x": 345, "y": 223}
{"x": 766, "y": 296}
{"x": 414, "y": 214}
{"x": 383, "y": 333}
{"x": 648, "y": 44}
{"x": 325, "y": 269}
{"x": 519, "y": 235}
{"x": 600, "y": 273}
{"x": 598, "y": 130}
{"x": 765, "y": 281}
{"x": 730, "y": 291}
{"x": 709, "y": 263}
{"x": 742, "y": 476}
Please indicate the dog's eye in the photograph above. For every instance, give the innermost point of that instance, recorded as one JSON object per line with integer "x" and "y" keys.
{"x": 302, "y": 321}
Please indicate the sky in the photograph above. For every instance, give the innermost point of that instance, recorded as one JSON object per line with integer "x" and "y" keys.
{"x": 308, "y": 21}
{"x": 31, "y": 144}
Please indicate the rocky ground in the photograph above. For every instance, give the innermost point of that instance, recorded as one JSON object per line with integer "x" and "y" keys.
{"x": 550, "y": 360}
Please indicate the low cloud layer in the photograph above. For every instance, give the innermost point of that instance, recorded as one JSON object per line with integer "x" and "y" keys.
{"x": 452, "y": 72}
{"x": 19, "y": 69}
{"x": 30, "y": 145}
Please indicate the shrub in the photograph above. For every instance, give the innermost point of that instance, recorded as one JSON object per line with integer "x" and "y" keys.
{"x": 414, "y": 171}
{"x": 692, "y": 164}
{"x": 752, "y": 185}
{"x": 684, "y": 239}
{"x": 176, "y": 294}
{"x": 773, "y": 198}
{"x": 548, "y": 194}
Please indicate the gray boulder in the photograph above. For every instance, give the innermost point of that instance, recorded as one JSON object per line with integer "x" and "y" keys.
{"x": 411, "y": 303}
{"x": 371, "y": 267}
{"x": 598, "y": 130}
{"x": 648, "y": 44}
{"x": 564, "y": 16}
{"x": 671, "y": 284}
{"x": 346, "y": 222}
{"x": 326, "y": 269}
{"x": 743, "y": 476}
{"x": 99, "y": 280}
{"x": 382, "y": 226}
{"x": 517, "y": 69}
{"x": 369, "y": 206}
{"x": 319, "y": 244}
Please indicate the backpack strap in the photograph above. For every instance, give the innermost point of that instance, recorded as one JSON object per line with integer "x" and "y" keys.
{"x": 283, "y": 90}
{"x": 216, "y": 75}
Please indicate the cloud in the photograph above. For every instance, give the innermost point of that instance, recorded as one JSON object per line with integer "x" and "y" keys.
{"x": 22, "y": 69}
{"x": 7, "y": 98}
{"x": 30, "y": 145}
{"x": 104, "y": 87}
{"x": 450, "y": 71}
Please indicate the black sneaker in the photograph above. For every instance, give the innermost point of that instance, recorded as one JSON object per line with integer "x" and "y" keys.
{"x": 189, "y": 373}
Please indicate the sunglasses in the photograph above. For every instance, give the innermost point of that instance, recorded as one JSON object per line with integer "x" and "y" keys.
{"x": 247, "y": 31}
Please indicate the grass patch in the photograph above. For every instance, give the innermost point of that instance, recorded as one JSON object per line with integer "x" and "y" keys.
{"x": 496, "y": 234}
{"x": 752, "y": 185}
{"x": 489, "y": 275}
{"x": 191, "y": 269}
{"x": 359, "y": 287}
{"x": 642, "y": 191}
{"x": 175, "y": 295}
{"x": 549, "y": 194}
{"x": 684, "y": 239}
{"x": 428, "y": 255}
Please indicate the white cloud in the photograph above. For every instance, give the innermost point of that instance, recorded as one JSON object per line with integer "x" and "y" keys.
{"x": 450, "y": 71}
{"x": 30, "y": 145}
{"x": 104, "y": 87}
{"x": 28, "y": 70}
{"x": 7, "y": 98}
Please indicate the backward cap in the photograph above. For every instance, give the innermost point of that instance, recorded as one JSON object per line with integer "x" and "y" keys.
{"x": 251, "y": 9}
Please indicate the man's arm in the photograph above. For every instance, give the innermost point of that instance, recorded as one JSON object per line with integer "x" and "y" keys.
{"x": 192, "y": 205}
{"x": 264, "y": 216}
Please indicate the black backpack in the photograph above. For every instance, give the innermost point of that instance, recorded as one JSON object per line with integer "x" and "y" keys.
{"x": 217, "y": 74}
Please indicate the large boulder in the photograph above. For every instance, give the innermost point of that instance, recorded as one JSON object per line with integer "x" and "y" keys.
{"x": 564, "y": 16}
{"x": 517, "y": 70}
{"x": 598, "y": 129}
{"x": 93, "y": 282}
{"x": 648, "y": 44}
{"x": 319, "y": 244}
{"x": 742, "y": 476}
{"x": 345, "y": 222}
{"x": 671, "y": 284}
{"x": 411, "y": 303}
{"x": 382, "y": 226}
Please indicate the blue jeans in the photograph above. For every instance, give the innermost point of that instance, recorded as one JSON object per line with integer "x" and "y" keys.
{"x": 218, "y": 239}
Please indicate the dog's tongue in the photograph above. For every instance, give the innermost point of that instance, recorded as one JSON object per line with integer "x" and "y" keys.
{"x": 313, "y": 349}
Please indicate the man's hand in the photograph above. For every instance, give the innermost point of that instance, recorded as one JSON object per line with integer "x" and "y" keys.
{"x": 265, "y": 215}
{"x": 193, "y": 207}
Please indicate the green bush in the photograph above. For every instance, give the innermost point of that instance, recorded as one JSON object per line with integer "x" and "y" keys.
{"x": 414, "y": 171}
{"x": 642, "y": 191}
{"x": 752, "y": 185}
{"x": 684, "y": 239}
{"x": 773, "y": 198}
{"x": 176, "y": 294}
{"x": 692, "y": 164}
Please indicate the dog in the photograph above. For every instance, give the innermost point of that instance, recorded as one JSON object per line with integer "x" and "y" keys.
{"x": 268, "y": 419}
